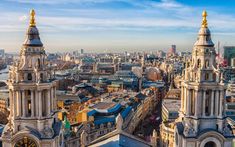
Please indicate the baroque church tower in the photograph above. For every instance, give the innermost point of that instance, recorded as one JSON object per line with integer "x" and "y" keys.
{"x": 32, "y": 94}
{"x": 202, "y": 121}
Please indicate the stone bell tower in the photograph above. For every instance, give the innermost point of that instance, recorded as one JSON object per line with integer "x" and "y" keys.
{"x": 202, "y": 122}
{"x": 32, "y": 93}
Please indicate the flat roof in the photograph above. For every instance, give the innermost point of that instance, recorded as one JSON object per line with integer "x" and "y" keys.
{"x": 171, "y": 105}
{"x": 104, "y": 105}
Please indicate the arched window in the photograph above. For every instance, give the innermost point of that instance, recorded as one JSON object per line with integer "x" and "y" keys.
{"x": 29, "y": 76}
{"x": 210, "y": 144}
{"x": 198, "y": 63}
{"x": 39, "y": 64}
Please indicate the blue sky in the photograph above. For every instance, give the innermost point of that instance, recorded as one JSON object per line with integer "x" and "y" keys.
{"x": 115, "y": 25}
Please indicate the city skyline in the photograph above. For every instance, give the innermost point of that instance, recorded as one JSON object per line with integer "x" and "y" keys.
{"x": 115, "y": 25}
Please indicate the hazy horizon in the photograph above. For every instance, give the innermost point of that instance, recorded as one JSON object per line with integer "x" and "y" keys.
{"x": 115, "y": 25}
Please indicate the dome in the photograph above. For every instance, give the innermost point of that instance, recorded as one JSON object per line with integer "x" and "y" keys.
{"x": 204, "y": 38}
{"x": 204, "y": 31}
{"x": 204, "y": 34}
{"x": 32, "y": 37}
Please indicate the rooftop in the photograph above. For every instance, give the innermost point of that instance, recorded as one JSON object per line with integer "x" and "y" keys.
{"x": 104, "y": 105}
{"x": 171, "y": 105}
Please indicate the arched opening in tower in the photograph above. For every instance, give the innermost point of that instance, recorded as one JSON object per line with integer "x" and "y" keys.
{"x": 210, "y": 144}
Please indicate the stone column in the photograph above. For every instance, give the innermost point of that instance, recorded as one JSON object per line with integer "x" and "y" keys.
{"x": 204, "y": 103}
{"x": 216, "y": 103}
{"x": 185, "y": 100}
{"x": 36, "y": 103}
{"x": 32, "y": 103}
{"x": 212, "y": 103}
{"x": 188, "y": 111}
{"x": 221, "y": 103}
{"x": 23, "y": 103}
{"x": 48, "y": 102}
{"x": 196, "y": 114}
{"x": 200, "y": 99}
{"x": 52, "y": 97}
{"x": 182, "y": 98}
{"x": 15, "y": 103}
{"x": 40, "y": 103}
{"x": 19, "y": 104}
{"x": 10, "y": 101}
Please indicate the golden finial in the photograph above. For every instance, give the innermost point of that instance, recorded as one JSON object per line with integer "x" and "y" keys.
{"x": 204, "y": 20}
{"x": 32, "y": 18}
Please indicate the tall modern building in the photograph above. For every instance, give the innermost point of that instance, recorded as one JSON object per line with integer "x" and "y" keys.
{"x": 202, "y": 122}
{"x": 82, "y": 51}
{"x": 2, "y": 53}
{"x": 229, "y": 55}
{"x": 32, "y": 120}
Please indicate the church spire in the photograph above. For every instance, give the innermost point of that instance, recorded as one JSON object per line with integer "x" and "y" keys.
{"x": 204, "y": 35}
{"x": 32, "y": 34}
{"x": 32, "y": 18}
{"x": 204, "y": 20}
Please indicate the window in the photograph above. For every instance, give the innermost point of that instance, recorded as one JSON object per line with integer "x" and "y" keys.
{"x": 198, "y": 63}
{"x": 29, "y": 107}
{"x": 207, "y": 76}
{"x": 41, "y": 76}
{"x": 29, "y": 76}
{"x": 39, "y": 64}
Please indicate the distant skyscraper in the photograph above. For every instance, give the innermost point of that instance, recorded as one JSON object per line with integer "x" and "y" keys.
{"x": 82, "y": 51}
{"x": 173, "y": 49}
{"x": 229, "y": 54}
{"x": 2, "y": 53}
{"x": 202, "y": 122}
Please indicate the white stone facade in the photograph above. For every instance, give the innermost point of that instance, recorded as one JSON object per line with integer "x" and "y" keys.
{"x": 202, "y": 122}
{"x": 32, "y": 97}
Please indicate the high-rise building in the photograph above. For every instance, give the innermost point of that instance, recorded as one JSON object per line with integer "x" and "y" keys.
{"x": 229, "y": 55}
{"x": 32, "y": 119}
{"x": 2, "y": 53}
{"x": 82, "y": 51}
{"x": 172, "y": 51}
{"x": 202, "y": 122}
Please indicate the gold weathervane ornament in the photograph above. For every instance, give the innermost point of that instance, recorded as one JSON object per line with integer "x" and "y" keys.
{"x": 32, "y": 18}
{"x": 204, "y": 20}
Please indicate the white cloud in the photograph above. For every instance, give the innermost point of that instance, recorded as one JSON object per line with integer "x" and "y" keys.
{"x": 23, "y": 18}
